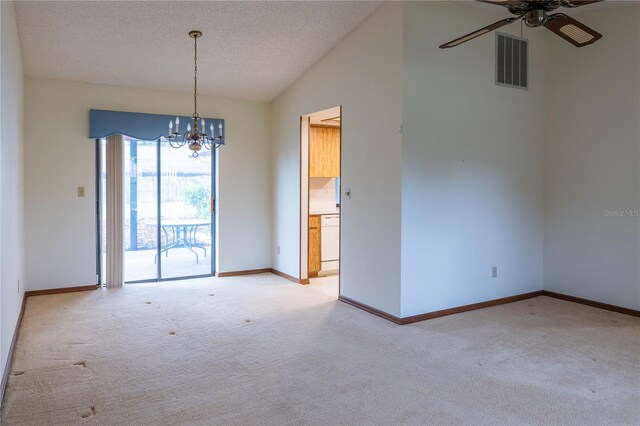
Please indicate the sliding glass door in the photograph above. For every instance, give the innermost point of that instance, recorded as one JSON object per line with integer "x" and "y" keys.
{"x": 168, "y": 212}
{"x": 186, "y": 209}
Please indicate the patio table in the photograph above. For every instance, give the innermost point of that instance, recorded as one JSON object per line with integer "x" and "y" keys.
{"x": 183, "y": 234}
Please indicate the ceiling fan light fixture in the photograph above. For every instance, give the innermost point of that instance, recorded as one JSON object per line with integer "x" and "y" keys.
{"x": 535, "y": 18}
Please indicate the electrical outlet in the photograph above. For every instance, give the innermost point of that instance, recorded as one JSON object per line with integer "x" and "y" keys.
{"x": 81, "y": 191}
{"x": 494, "y": 272}
{"x": 278, "y": 249}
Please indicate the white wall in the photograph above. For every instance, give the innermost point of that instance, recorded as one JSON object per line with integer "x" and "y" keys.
{"x": 593, "y": 162}
{"x": 60, "y": 157}
{"x": 364, "y": 75}
{"x": 11, "y": 181}
{"x": 473, "y": 164}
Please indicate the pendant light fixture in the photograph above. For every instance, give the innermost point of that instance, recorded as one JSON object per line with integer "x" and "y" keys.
{"x": 196, "y": 138}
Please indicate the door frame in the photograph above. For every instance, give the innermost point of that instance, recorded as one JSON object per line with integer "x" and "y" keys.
{"x": 304, "y": 198}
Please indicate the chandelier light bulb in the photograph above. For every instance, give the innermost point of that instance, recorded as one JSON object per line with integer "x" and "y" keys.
{"x": 177, "y": 125}
{"x": 188, "y": 127}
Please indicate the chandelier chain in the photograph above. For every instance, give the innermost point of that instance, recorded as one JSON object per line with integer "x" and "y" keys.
{"x": 195, "y": 76}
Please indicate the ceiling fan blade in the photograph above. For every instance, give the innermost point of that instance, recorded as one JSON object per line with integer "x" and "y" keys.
{"x": 502, "y": 2}
{"x": 478, "y": 33}
{"x": 571, "y": 30}
{"x": 577, "y": 3}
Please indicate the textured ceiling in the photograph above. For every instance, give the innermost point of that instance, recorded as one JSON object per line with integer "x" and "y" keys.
{"x": 249, "y": 50}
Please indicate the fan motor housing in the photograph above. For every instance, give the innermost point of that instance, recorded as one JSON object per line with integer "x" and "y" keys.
{"x": 535, "y": 18}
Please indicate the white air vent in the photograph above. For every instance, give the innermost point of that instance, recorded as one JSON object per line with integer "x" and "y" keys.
{"x": 512, "y": 61}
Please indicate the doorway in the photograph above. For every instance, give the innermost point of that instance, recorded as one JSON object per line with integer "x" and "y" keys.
{"x": 168, "y": 226}
{"x": 320, "y": 171}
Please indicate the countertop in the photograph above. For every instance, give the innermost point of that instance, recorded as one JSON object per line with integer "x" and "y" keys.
{"x": 323, "y": 212}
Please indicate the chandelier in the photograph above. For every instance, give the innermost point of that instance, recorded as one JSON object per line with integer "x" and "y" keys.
{"x": 197, "y": 138}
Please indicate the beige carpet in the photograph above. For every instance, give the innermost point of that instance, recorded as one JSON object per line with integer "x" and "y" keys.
{"x": 329, "y": 285}
{"x": 260, "y": 350}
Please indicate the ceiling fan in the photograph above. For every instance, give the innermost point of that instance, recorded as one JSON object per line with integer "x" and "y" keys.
{"x": 534, "y": 13}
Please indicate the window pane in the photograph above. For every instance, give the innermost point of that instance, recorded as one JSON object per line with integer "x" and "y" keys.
{"x": 140, "y": 190}
{"x": 185, "y": 186}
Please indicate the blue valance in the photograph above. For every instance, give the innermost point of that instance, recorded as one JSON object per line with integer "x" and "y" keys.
{"x": 149, "y": 127}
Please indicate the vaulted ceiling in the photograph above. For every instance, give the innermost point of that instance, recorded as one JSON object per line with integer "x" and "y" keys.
{"x": 249, "y": 50}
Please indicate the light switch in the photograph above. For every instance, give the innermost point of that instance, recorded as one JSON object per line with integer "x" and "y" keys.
{"x": 81, "y": 191}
